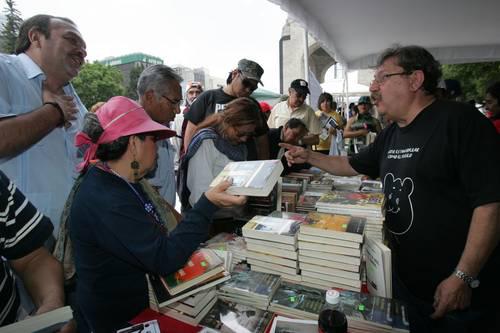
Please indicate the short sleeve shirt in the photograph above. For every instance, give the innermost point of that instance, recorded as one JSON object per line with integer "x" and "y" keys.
{"x": 281, "y": 113}
{"x": 209, "y": 102}
{"x": 23, "y": 229}
{"x": 435, "y": 172}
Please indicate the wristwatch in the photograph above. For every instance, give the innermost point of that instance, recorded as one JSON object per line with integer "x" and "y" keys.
{"x": 469, "y": 280}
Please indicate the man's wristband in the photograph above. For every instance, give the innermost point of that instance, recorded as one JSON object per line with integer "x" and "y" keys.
{"x": 61, "y": 113}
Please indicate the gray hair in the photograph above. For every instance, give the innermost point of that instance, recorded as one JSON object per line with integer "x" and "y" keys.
{"x": 156, "y": 78}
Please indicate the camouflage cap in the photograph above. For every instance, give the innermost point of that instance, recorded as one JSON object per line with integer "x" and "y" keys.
{"x": 251, "y": 70}
{"x": 364, "y": 100}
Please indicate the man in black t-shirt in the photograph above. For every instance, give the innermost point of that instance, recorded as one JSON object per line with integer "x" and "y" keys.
{"x": 438, "y": 162}
{"x": 241, "y": 82}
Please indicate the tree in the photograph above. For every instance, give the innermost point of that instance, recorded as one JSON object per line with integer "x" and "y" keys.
{"x": 474, "y": 78}
{"x": 98, "y": 83}
{"x": 133, "y": 78}
{"x": 10, "y": 29}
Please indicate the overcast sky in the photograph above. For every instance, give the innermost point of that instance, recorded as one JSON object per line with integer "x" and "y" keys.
{"x": 213, "y": 34}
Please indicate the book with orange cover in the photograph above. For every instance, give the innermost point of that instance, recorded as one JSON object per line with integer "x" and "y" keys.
{"x": 337, "y": 226}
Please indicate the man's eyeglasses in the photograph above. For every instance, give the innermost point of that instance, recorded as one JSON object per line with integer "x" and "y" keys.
{"x": 380, "y": 79}
{"x": 248, "y": 83}
{"x": 174, "y": 103}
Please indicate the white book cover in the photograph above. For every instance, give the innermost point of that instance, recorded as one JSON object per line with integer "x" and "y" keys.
{"x": 255, "y": 178}
{"x": 272, "y": 228}
{"x": 378, "y": 268}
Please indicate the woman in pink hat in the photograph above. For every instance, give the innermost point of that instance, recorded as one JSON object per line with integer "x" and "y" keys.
{"x": 116, "y": 232}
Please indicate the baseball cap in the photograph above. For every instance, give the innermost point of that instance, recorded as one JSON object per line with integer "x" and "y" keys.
{"x": 194, "y": 84}
{"x": 251, "y": 70}
{"x": 119, "y": 117}
{"x": 301, "y": 86}
{"x": 364, "y": 100}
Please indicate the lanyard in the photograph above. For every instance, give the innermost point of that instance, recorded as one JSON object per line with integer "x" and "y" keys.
{"x": 146, "y": 204}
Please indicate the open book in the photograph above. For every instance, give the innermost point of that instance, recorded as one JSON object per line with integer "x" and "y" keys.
{"x": 254, "y": 178}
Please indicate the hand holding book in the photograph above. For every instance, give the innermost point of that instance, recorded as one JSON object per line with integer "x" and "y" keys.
{"x": 219, "y": 197}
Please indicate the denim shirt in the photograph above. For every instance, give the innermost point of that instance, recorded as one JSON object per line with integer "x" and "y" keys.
{"x": 163, "y": 177}
{"x": 45, "y": 172}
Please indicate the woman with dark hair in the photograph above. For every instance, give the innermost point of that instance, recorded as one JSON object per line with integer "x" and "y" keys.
{"x": 117, "y": 234}
{"x": 219, "y": 139}
{"x": 492, "y": 104}
{"x": 331, "y": 125}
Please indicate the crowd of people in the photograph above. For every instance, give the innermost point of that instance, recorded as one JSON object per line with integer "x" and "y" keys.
{"x": 99, "y": 187}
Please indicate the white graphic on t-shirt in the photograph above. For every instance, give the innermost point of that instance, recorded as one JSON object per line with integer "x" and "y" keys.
{"x": 399, "y": 208}
{"x": 219, "y": 108}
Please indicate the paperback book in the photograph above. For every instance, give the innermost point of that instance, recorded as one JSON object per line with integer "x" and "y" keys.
{"x": 272, "y": 228}
{"x": 253, "y": 178}
{"x": 230, "y": 317}
{"x": 345, "y": 227}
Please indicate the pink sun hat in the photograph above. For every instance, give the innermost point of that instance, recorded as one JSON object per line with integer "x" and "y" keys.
{"x": 120, "y": 116}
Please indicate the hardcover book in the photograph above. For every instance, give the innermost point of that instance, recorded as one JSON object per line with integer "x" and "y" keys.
{"x": 346, "y": 227}
{"x": 252, "y": 284}
{"x": 253, "y": 178}
{"x": 296, "y": 300}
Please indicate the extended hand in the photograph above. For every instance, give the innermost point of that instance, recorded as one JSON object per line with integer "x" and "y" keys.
{"x": 220, "y": 198}
{"x": 295, "y": 154}
{"x": 451, "y": 294}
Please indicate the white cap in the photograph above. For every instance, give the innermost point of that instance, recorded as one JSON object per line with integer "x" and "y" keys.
{"x": 332, "y": 296}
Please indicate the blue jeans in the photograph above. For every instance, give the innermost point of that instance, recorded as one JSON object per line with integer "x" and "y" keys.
{"x": 481, "y": 320}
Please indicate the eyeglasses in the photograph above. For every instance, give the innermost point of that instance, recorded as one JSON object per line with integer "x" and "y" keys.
{"x": 174, "y": 103}
{"x": 380, "y": 79}
{"x": 248, "y": 83}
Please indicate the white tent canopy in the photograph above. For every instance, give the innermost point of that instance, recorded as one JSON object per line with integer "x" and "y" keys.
{"x": 354, "y": 32}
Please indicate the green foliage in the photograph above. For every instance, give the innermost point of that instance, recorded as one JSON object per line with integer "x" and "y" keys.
{"x": 98, "y": 83}
{"x": 10, "y": 28}
{"x": 133, "y": 78}
{"x": 474, "y": 78}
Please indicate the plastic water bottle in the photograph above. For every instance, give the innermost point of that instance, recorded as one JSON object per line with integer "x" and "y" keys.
{"x": 331, "y": 318}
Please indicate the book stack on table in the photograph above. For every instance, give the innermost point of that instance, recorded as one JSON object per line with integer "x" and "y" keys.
{"x": 170, "y": 294}
{"x": 272, "y": 245}
{"x": 250, "y": 288}
{"x": 364, "y": 312}
{"x": 367, "y": 205}
{"x": 330, "y": 250}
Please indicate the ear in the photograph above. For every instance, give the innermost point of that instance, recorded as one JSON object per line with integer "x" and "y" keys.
{"x": 34, "y": 36}
{"x": 417, "y": 80}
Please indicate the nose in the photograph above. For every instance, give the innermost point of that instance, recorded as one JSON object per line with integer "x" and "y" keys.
{"x": 373, "y": 86}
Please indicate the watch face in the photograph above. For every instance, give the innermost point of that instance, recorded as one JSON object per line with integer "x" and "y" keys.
{"x": 474, "y": 284}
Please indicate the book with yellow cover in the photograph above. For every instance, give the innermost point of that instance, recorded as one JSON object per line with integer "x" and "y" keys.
{"x": 337, "y": 226}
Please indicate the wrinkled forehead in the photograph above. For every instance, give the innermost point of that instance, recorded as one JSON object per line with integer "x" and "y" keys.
{"x": 388, "y": 65}
{"x": 66, "y": 28}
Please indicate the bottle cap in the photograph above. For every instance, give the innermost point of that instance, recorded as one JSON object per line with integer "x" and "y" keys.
{"x": 332, "y": 296}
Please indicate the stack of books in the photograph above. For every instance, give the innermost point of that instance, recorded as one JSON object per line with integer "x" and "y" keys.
{"x": 250, "y": 288}
{"x": 307, "y": 201}
{"x": 272, "y": 245}
{"x": 230, "y": 247}
{"x": 367, "y": 205}
{"x": 323, "y": 184}
{"x": 230, "y": 317}
{"x": 364, "y": 312}
{"x": 192, "y": 309}
{"x": 204, "y": 270}
{"x": 330, "y": 250}
{"x": 297, "y": 301}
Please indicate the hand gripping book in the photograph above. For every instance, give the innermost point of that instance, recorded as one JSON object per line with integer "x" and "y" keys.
{"x": 337, "y": 226}
{"x": 202, "y": 265}
{"x": 253, "y": 178}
